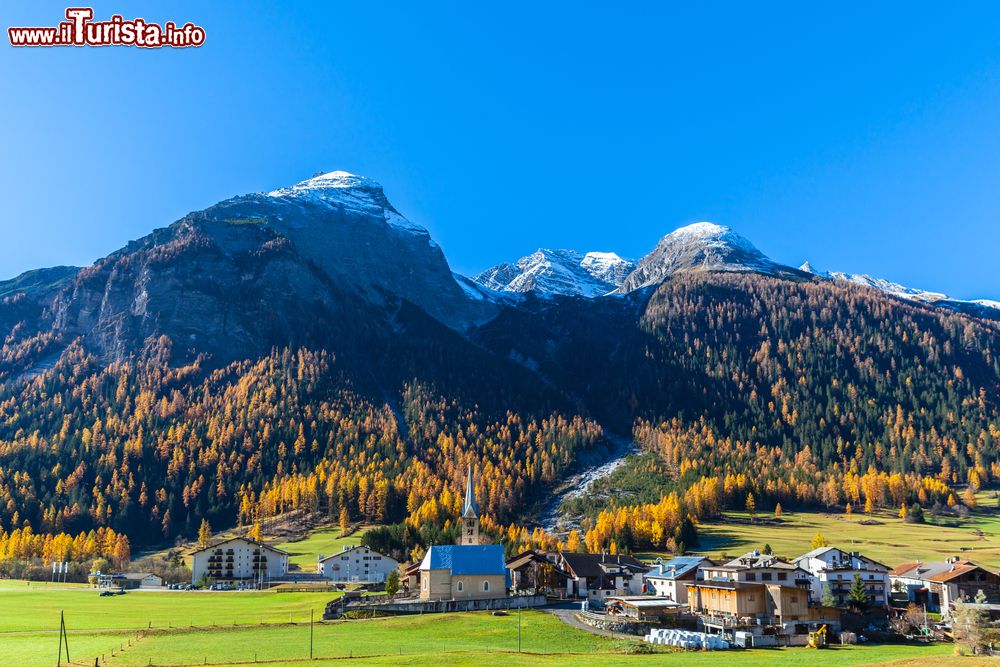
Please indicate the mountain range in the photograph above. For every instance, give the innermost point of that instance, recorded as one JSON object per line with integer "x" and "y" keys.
{"x": 314, "y": 330}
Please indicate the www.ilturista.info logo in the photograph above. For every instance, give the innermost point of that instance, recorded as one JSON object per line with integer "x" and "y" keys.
{"x": 81, "y": 30}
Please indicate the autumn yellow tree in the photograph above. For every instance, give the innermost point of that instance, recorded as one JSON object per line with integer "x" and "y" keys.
{"x": 254, "y": 532}
{"x": 345, "y": 521}
{"x": 204, "y": 534}
{"x": 573, "y": 541}
{"x": 818, "y": 541}
{"x": 777, "y": 511}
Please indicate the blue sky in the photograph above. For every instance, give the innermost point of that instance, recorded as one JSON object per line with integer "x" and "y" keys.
{"x": 863, "y": 137}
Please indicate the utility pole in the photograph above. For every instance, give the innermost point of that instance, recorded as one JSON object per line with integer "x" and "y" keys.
{"x": 312, "y": 613}
{"x": 519, "y": 628}
{"x": 63, "y": 639}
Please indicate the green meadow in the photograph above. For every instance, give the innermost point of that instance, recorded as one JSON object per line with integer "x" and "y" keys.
{"x": 882, "y": 536}
{"x": 180, "y": 628}
{"x": 34, "y": 608}
{"x": 326, "y": 540}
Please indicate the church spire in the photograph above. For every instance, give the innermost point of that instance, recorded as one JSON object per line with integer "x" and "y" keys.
{"x": 470, "y": 510}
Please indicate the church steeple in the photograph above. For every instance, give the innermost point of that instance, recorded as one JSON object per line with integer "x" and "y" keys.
{"x": 470, "y": 513}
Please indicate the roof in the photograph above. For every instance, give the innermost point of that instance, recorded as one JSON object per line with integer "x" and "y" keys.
{"x": 466, "y": 559}
{"x": 216, "y": 545}
{"x": 939, "y": 571}
{"x": 726, "y": 584}
{"x": 139, "y": 575}
{"x": 589, "y": 565}
{"x": 522, "y": 559}
{"x": 469, "y": 509}
{"x": 755, "y": 559}
{"x": 819, "y": 551}
{"x": 676, "y": 568}
{"x": 646, "y": 601}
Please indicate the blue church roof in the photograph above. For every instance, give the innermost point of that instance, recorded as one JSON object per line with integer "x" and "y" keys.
{"x": 466, "y": 559}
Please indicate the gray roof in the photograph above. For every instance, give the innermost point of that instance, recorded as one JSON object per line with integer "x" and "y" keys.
{"x": 676, "y": 568}
{"x": 814, "y": 553}
{"x": 755, "y": 559}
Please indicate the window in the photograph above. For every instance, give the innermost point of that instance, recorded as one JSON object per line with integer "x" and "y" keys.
{"x": 795, "y": 599}
{"x": 766, "y": 576}
{"x": 461, "y": 586}
{"x": 751, "y": 576}
{"x": 782, "y": 576}
{"x": 426, "y": 582}
{"x": 486, "y": 587}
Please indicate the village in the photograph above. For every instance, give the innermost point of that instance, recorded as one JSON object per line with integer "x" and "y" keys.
{"x": 824, "y": 596}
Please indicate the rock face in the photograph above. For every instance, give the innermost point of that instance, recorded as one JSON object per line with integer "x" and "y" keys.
{"x": 548, "y": 273}
{"x": 292, "y": 265}
{"x": 330, "y": 261}
{"x": 703, "y": 246}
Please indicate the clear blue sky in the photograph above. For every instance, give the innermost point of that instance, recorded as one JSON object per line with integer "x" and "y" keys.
{"x": 862, "y": 137}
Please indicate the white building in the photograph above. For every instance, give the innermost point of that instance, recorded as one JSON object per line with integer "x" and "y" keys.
{"x": 669, "y": 579}
{"x": 834, "y": 570}
{"x": 359, "y": 564}
{"x": 755, "y": 567}
{"x": 239, "y": 560}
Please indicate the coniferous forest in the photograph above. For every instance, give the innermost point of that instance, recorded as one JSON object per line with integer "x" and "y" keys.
{"x": 806, "y": 392}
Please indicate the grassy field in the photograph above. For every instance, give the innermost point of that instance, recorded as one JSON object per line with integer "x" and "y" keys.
{"x": 457, "y": 639}
{"x": 890, "y": 541}
{"x": 197, "y": 628}
{"x": 325, "y": 540}
{"x": 35, "y": 608}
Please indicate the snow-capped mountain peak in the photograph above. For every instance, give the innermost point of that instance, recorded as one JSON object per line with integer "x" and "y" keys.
{"x": 347, "y": 192}
{"x": 807, "y": 267}
{"x": 702, "y": 246}
{"x": 548, "y": 273}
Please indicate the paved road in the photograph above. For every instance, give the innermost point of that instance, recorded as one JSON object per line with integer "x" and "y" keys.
{"x": 568, "y": 616}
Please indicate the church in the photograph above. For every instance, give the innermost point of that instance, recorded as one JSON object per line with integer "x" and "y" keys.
{"x": 467, "y": 570}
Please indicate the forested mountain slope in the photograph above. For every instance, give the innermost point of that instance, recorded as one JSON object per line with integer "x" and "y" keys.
{"x": 310, "y": 348}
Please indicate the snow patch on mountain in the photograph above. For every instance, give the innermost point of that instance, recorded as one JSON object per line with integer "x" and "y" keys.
{"x": 973, "y": 306}
{"x": 350, "y": 192}
{"x": 702, "y": 246}
{"x": 549, "y": 273}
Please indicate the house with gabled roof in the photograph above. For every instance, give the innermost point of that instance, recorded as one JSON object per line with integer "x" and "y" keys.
{"x": 599, "y": 576}
{"x": 536, "y": 572}
{"x": 938, "y": 585}
{"x": 669, "y": 579}
{"x": 356, "y": 563}
{"x": 757, "y": 567}
{"x": 834, "y": 570}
